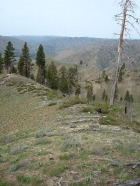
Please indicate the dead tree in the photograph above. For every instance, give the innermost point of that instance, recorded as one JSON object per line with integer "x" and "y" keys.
{"x": 124, "y": 18}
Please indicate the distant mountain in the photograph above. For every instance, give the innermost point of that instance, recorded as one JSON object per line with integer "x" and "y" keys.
{"x": 95, "y": 52}
{"x": 17, "y": 43}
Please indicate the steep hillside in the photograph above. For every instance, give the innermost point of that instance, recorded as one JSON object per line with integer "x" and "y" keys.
{"x": 43, "y": 145}
{"x": 17, "y": 43}
{"x": 98, "y": 53}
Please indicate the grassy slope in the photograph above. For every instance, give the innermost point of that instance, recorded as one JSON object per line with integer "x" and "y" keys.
{"x": 83, "y": 157}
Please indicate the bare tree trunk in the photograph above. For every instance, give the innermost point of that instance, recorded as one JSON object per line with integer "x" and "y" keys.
{"x": 119, "y": 52}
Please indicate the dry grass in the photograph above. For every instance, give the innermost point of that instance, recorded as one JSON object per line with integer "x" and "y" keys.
{"x": 79, "y": 157}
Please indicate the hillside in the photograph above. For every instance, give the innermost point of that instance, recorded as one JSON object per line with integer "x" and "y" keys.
{"x": 41, "y": 144}
{"x": 94, "y": 52}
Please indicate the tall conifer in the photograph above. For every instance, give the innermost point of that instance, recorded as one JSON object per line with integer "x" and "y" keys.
{"x": 26, "y": 60}
{"x": 9, "y": 56}
{"x": 40, "y": 61}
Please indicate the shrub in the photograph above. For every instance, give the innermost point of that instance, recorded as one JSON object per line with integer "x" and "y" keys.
{"x": 18, "y": 149}
{"x": 42, "y": 132}
{"x": 42, "y": 141}
{"x": 52, "y": 103}
{"x": 109, "y": 120}
{"x": 87, "y": 109}
{"x": 3, "y": 159}
{"x": 73, "y": 125}
{"x": 19, "y": 89}
{"x": 13, "y": 168}
{"x": 75, "y": 101}
{"x": 70, "y": 143}
{"x": 6, "y": 139}
{"x": 21, "y": 164}
{"x": 103, "y": 106}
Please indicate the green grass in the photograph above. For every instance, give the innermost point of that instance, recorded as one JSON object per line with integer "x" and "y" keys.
{"x": 66, "y": 156}
{"x": 72, "y": 102}
{"x": 58, "y": 170}
{"x": 4, "y": 184}
{"x": 28, "y": 180}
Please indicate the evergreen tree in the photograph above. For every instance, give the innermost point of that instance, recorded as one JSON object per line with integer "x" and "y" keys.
{"x": 121, "y": 98}
{"x": 106, "y": 78}
{"x": 120, "y": 76}
{"x": 78, "y": 90}
{"x": 40, "y": 61}
{"x": 71, "y": 73}
{"x": 63, "y": 83}
{"x": 103, "y": 74}
{"x": 94, "y": 97}
{"x": 81, "y": 62}
{"x": 123, "y": 66}
{"x": 14, "y": 69}
{"x": 103, "y": 95}
{"x": 90, "y": 93}
{"x": 52, "y": 77}
{"x": 106, "y": 98}
{"x": 1, "y": 63}
{"x": 26, "y": 60}
{"x": 9, "y": 56}
{"x": 127, "y": 96}
{"x": 20, "y": 66}
{"x": 32, "y": 76}
{"x": 116, "y": 92}
{"x": 131, "y": 98}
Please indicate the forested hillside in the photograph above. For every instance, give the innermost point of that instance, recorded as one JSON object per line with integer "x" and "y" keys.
{"x": 98, "y": 53}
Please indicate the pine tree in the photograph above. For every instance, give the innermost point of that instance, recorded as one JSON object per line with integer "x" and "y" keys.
{"x": 40, "y": 61}
{"x": 63, "y": 83}
{"x": 81, "y": 62}
{"x": 123, "y": 66}
{"x": 90, "y": 93}
{"x": 52, "y": 76}
{"x": 72, "y": 80}
{"x": 120, "y": 76}
{"x": 106, "y": 98}
{"x": 32, "y": 76}
{"x": 9, "y": 56}
{"x": 131, "y": 98}
{"x": 103, "y": 74}
{"x": 127, "y": 96}
{"x": 78, "y": 90}
{"x": 94, "y": 97}
{"x": 14, "y": 69}
{"x": 103, "y": 95}
{"x": 116, "y": 92}
{"x": 1, "y": 63}
{"x": 106, "y": 78}
{"x": 20, "y": 66}
{"x": 26, "y": 60}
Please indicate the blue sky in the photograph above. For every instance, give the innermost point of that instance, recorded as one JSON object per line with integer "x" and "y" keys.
{"x": 74, "y": 18}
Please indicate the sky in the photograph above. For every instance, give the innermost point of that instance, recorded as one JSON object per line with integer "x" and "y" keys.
{"x": 72, "y": 18}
